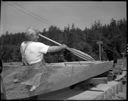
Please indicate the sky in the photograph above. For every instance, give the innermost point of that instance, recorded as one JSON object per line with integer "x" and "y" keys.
{"x": 18, "y": 16}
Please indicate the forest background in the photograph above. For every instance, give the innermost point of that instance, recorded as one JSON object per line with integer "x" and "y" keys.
{"x": 113, "y": 36}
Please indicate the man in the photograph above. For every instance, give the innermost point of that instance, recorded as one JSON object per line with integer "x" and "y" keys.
{"x": 32, "y": 53}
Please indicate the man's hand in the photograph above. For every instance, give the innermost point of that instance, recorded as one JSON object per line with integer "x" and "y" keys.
{"x": 64, "y": 46}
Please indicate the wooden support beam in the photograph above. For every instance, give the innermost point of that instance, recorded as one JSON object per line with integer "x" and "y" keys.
{"x": 87, "y": 95}
{"x": 101, "y": 80}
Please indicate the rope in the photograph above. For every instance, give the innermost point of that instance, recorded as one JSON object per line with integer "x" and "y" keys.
{"x": 28, "y": 13}
{"x": 32, "y": 13}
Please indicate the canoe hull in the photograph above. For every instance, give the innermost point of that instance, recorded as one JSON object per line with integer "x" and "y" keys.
{"x": 73, "y": 73}
{"x": 61, "y": 75}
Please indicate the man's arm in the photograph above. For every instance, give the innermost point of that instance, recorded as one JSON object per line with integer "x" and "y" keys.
{"x": 56, "y": 48}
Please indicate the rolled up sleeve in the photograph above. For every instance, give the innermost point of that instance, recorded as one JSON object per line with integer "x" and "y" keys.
{"x": 44, "y": 48}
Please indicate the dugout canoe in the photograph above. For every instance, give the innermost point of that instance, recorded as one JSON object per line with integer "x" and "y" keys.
{"x": 60, "y": 75}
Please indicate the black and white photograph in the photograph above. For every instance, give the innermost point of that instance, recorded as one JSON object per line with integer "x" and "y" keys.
{"x": 63, "y": 50}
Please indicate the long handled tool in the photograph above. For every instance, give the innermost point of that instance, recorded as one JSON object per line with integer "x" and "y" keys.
{"x": 76, "y": 52}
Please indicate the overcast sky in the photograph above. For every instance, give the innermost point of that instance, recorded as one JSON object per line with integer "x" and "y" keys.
{"x": 18, "y": 16}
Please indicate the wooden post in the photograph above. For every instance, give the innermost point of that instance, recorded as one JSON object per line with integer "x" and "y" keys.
{"x": 100, "y": 49}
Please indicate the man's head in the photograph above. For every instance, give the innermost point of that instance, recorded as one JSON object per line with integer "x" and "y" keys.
{"x": 32, "y": 34}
